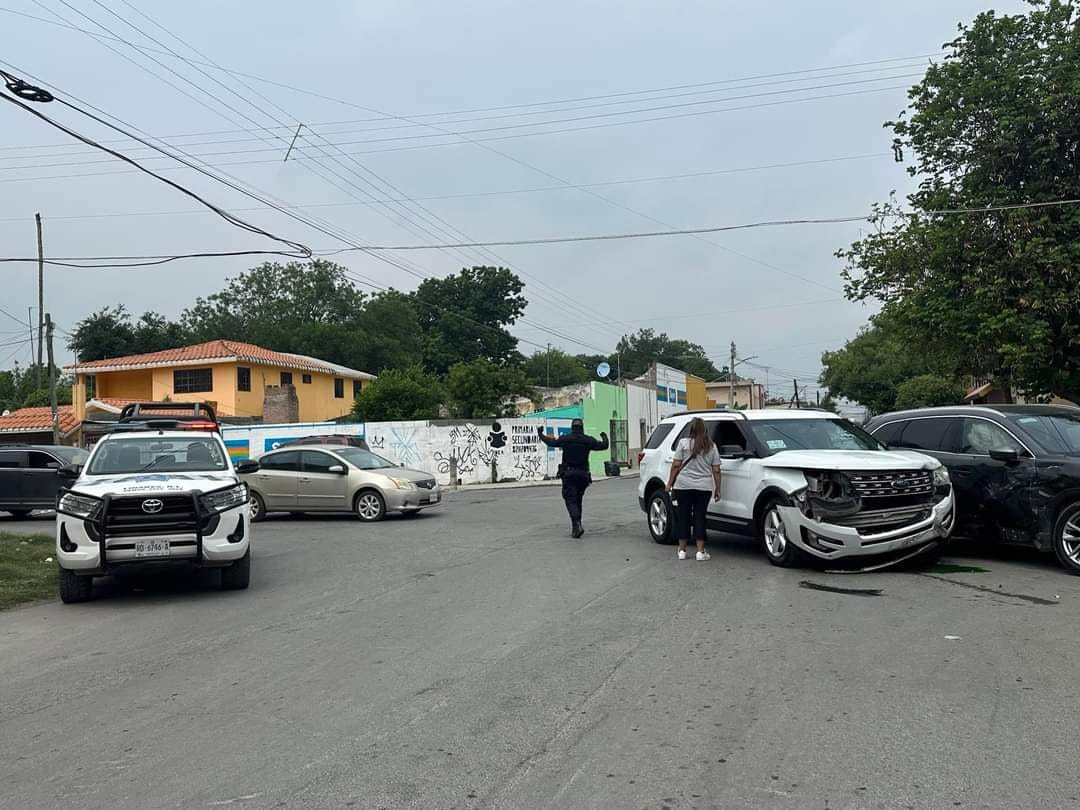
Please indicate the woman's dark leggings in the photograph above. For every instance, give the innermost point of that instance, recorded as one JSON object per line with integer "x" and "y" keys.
{"x": 693, "y": 504}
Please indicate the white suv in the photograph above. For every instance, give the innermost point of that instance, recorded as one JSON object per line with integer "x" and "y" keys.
{"x": 155, "y": 491}
{"x": 807, "y": 483}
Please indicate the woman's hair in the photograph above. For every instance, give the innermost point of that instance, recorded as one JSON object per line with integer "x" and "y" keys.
{"x": 700, "y": 442}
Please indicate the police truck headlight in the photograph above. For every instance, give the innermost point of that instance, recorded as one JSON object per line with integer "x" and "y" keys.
{"x": 83, "y": 507}
{"x": 222, "y": 500}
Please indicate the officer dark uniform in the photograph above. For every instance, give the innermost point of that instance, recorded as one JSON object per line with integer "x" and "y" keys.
{"x": 574, "y": 469}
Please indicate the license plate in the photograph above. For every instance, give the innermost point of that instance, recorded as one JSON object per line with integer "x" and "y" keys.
{"x": 152, "y": 548}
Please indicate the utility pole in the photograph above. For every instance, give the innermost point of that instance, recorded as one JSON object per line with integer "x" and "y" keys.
{"x": 52, "y": 380}
{"x": 731, "y": 378}
{"x": 798, "y": 403}
{"x": 41, "y": 295}
{"x": 549, "y": 365}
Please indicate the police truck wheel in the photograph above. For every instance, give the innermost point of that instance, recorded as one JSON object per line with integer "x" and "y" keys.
{"x": 74, "y": 588}
{"x": 238, "y": 575}
{"x": 661, "y": 518}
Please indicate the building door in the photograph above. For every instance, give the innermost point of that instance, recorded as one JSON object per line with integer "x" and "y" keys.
{"x": 620, "y": 441}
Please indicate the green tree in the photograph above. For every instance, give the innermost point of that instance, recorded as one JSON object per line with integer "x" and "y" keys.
{"x": 109, "y": 332}
{"x": 480, "y": 389}
{"x": 555, "y": 368}
{"x": 996, "y": 123}
{"x": 928, "y": 391}
{"x": 311, "y": 309}
{"x": 828, "y": 403}
{"x": 871, "y": 365}
{"x": 639, "y": 350}
{"x": 18, "y": 389}
{"x": 463, "y": 317}
{"x": 397, "y": 394}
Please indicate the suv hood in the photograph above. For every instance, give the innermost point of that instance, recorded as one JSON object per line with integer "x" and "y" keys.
{"x": 149, "y": 483}
{"x": 851, "y": 460}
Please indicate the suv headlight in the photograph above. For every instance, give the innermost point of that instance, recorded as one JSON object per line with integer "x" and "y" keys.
{"x": 221, "y": 500}
{"x": 402, "y": 483}
{"x": 941, "y": 477}
{"x": 83, "y": 507}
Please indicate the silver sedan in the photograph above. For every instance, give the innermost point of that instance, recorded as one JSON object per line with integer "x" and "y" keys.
{"x": 332, "y": 478}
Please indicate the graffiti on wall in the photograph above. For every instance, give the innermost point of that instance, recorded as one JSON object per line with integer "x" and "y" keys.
{"x": 467, "y": 450}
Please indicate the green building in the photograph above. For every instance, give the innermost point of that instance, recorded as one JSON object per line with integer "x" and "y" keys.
{"x": 602, "y": 411}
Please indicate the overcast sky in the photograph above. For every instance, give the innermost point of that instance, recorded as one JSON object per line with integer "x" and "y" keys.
{"x": 776, "y": 292}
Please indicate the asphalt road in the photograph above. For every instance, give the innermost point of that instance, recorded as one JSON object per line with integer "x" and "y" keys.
{"x": 479, "y": 658}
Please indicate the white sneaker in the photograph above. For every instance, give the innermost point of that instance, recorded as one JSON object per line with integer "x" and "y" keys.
{"x": 682, "y": 553}
{"x": 702, "y": 556}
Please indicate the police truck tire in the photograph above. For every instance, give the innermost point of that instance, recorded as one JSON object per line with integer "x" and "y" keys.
{"x": 74, "y": 588}
{"x": 237, "y": 576}
{"x": 20, "y": 514}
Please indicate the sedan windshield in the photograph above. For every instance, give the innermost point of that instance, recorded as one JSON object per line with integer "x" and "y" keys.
{"x": 1057, "y": 433}
{"x": 363, "y": 459}
{"x": 777, "y": 435}
{"x": 157, "y": 454}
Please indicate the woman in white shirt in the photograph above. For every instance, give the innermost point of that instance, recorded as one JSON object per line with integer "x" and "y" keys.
{"x": 695, "y": 474}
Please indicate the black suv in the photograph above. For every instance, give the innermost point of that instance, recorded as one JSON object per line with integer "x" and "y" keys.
{"x": 1015, "y": 469}
{"x": 28, "y": 478}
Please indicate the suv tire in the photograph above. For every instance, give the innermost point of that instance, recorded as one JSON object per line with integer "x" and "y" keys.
{"x": 1067, "y": 537}
{"x": 369, "y": 506}
{"x": 772, "y": 535}
{"x": 660, "y": 515}
{"x": 257, "y": 507}
{"x": 20, "y": 514}
{"x": 238, "y": 575}
{"x": 75, "y": 588}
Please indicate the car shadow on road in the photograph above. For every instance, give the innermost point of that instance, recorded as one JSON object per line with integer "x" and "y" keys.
{"x": 341, "y": 517}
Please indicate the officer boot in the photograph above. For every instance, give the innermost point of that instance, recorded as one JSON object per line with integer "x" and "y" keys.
{"x": 577, "y": 530}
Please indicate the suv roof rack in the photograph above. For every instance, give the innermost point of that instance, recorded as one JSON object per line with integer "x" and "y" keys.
{"x": 709, "y": 410}
{"x": 175, "y": 416}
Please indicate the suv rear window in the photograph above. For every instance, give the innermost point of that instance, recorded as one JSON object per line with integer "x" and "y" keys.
{"x": 659, "y": 435}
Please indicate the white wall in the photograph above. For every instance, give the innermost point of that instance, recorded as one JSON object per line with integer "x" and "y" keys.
{"x": 514, "y": 447}
{"x": 674, "y": 381}
{"x": 641, "y": 408}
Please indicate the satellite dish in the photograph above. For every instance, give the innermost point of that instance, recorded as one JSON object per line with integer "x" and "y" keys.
{"x": 603, "y": 370}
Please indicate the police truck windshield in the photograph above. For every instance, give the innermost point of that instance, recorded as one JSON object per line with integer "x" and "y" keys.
{"x": 158, "y": 454}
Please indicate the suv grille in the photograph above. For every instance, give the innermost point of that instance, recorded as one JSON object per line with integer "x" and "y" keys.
{"x": 126, "y": 518}
{"x": 894, "y": 488}
{"x": 426, "y": 484}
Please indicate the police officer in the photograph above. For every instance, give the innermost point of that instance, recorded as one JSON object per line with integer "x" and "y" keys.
{"x": 574, "y": 469}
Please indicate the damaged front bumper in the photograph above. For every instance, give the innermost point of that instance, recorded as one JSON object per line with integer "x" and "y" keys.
{"x": 870, "y": 533}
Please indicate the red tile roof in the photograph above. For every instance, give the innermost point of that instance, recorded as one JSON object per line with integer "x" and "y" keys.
{"x": 216, "y": 350}
{"x": 36, "y": 420}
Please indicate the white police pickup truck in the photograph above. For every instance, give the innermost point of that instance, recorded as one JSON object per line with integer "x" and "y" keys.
{"x": 158, "y": 490}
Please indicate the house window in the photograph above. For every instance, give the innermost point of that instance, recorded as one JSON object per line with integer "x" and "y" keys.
{"x": 91, "y": 386}
{"x": 286, "y": 378}
{"x": 307, "y": 379}
{"x": 243, "y": 379}
{"x": 356, "y": 388}
{"x": 339, "y": 389}
{"x": 193, "y": 380}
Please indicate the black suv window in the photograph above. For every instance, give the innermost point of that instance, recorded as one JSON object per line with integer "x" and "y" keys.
{"x": 288, "y": 461}
{"x": 659, "y": 435}
{"x": 316, "y": 462}
{"x": 980, "y": 436}
{"x": 922, "y": 434}
{"x": 888, "y": 434}
{"x": 10, "y": 460}
{"x": 43, "y": 461}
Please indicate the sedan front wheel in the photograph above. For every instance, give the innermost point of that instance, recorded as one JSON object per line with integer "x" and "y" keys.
{"x": 370, "y": 506}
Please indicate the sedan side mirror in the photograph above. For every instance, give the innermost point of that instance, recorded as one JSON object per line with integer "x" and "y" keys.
{"x": 732, "y": 451}
{"x": 337, "y": 469}
{"x": 1008, "y": 456}
{"x": 70, "y": 472}
{"x": 247, "y": 467}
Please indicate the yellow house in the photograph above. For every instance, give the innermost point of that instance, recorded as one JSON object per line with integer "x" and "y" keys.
{"x": 238, "y": 379}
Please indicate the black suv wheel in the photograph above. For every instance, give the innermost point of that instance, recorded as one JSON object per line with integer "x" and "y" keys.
{"x": 1067, "y": 538}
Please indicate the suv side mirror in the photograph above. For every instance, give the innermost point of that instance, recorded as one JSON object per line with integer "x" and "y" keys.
{"x": 247, "y": 467}
{"x": 732, "y": 451}
{"x": 69, "y": 472}
{"x": 1009, "y": 456}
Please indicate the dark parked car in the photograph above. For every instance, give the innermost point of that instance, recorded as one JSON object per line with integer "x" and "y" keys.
{"x": 28, "y": 479}
{"x": 340, "y": 439}
{"x": 1015, "y": 469}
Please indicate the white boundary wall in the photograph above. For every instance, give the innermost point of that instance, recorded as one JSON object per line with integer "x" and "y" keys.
{"x": 470, "y": 447}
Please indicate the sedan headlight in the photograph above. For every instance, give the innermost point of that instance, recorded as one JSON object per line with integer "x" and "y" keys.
{"x": 222, "y": 500}
{"x": 941, "y": 477}
{"x": 83, "y": 507}
{"x": 402, "y": 483}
